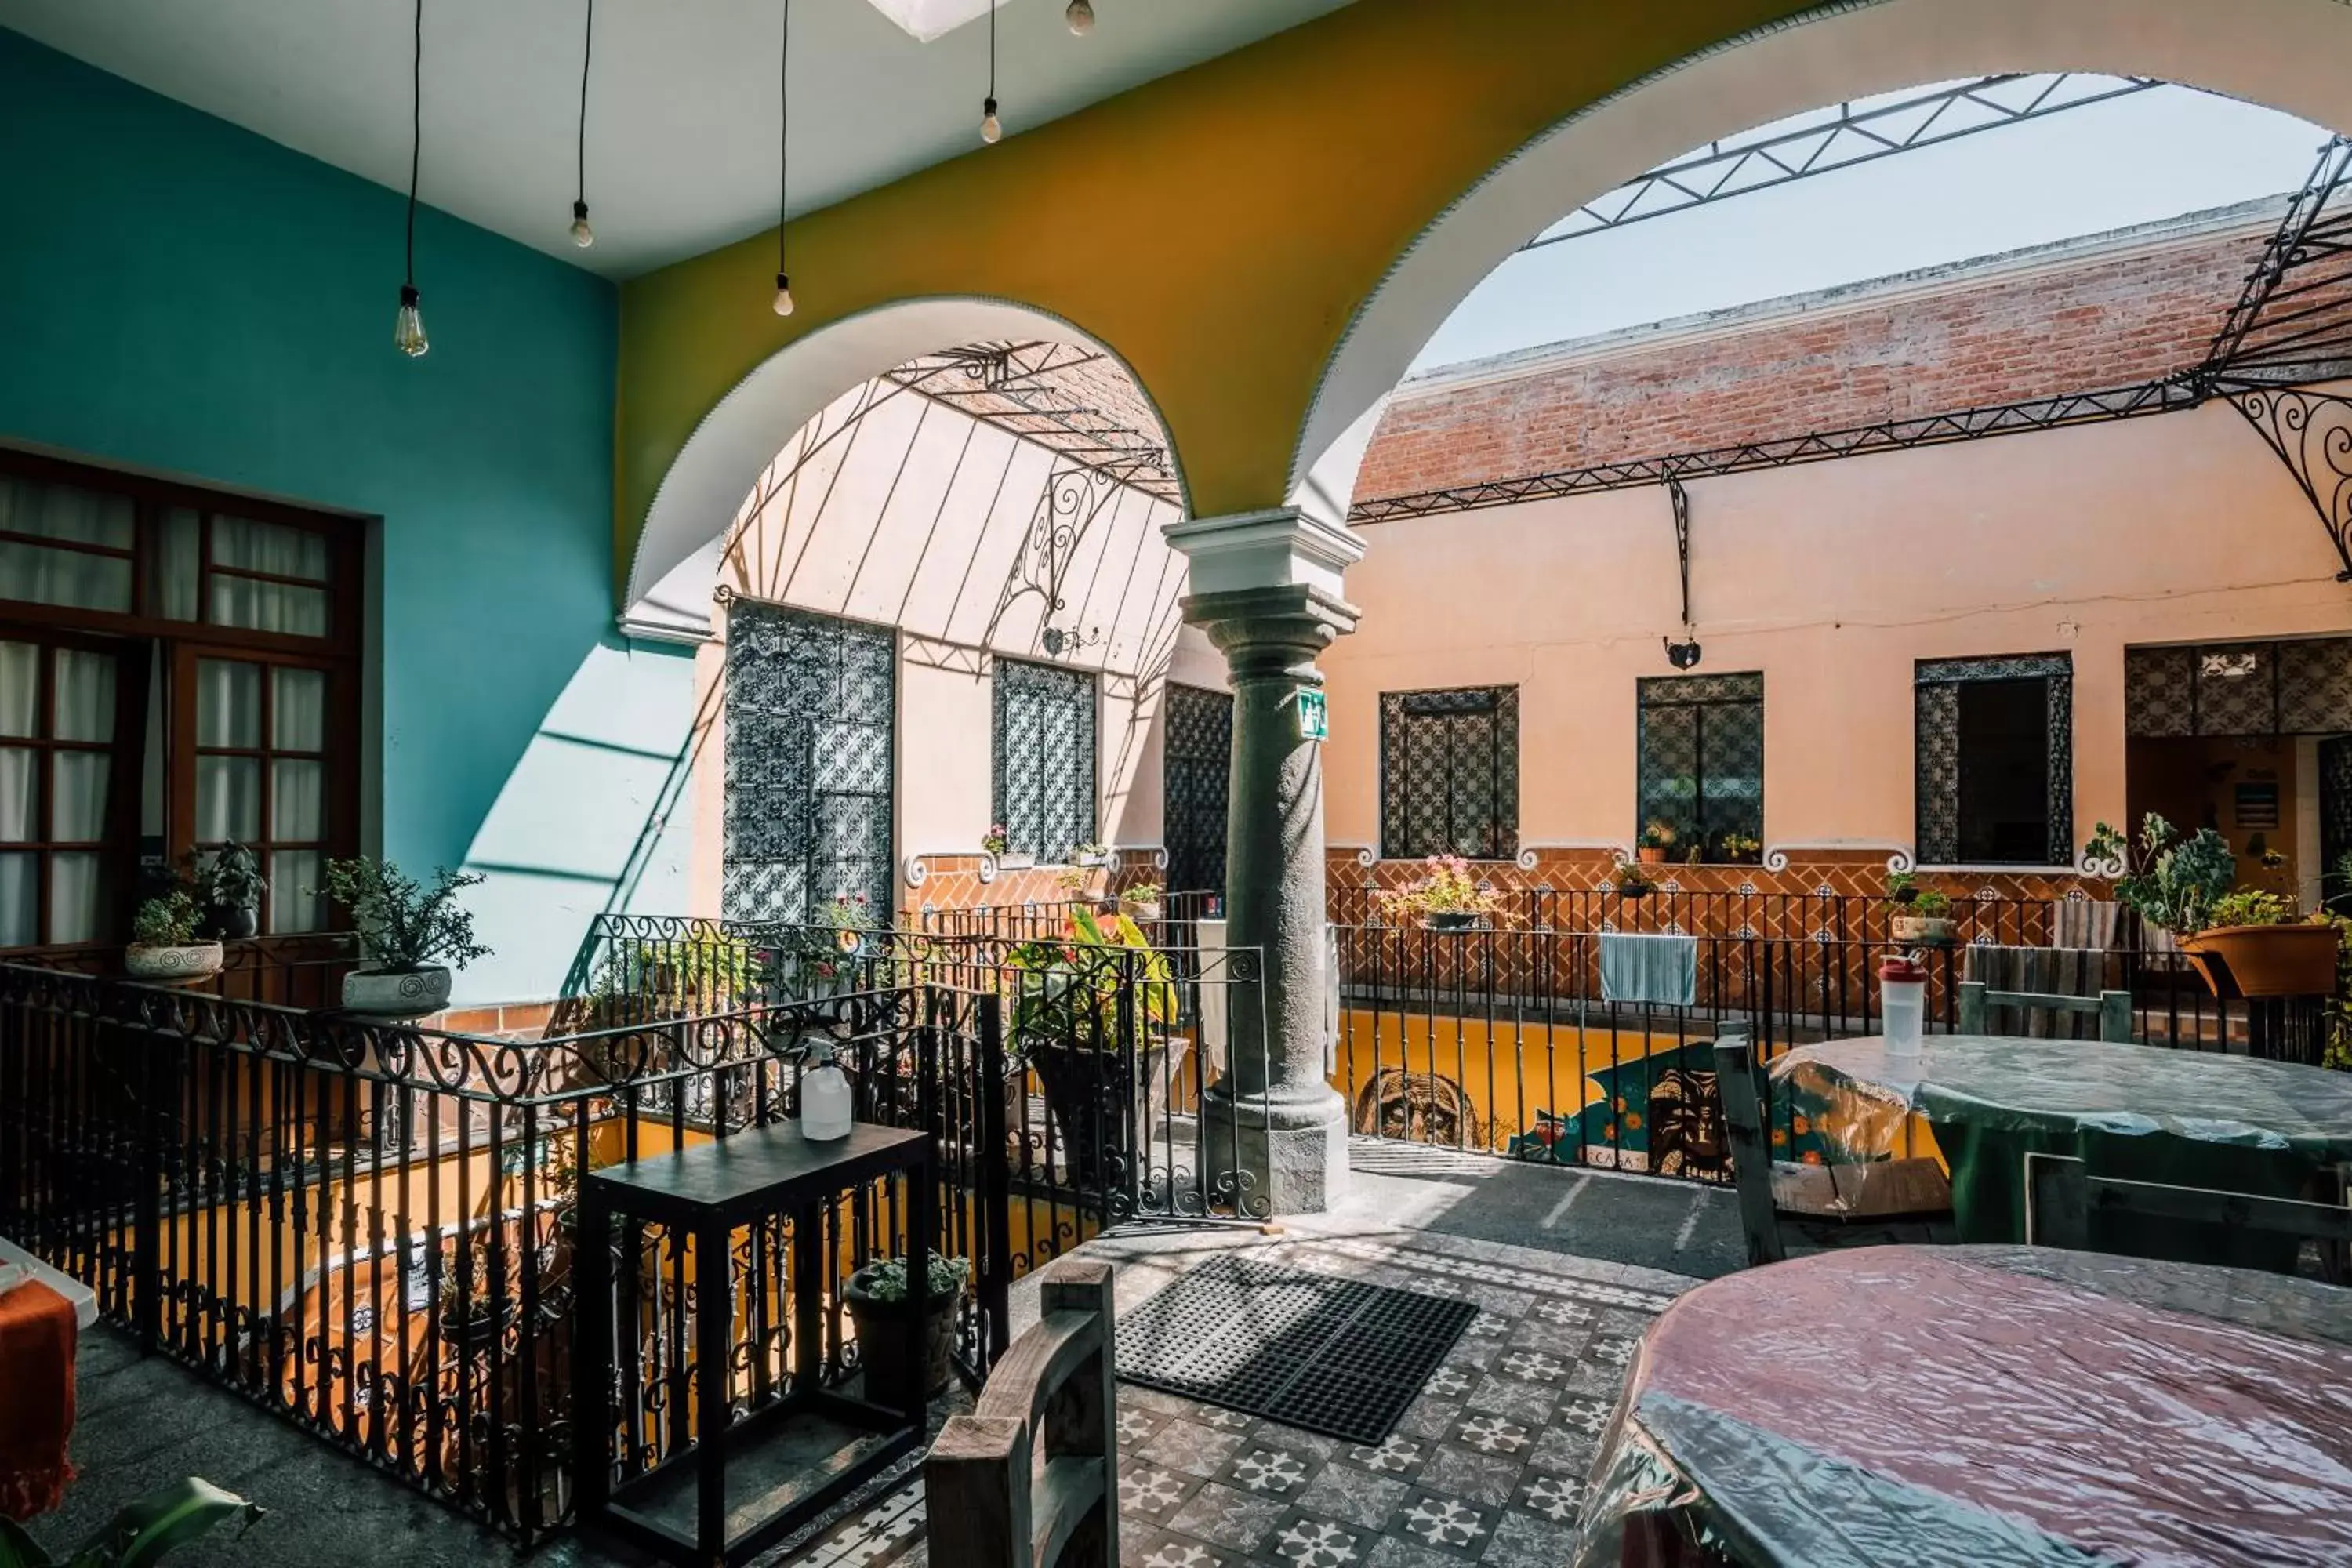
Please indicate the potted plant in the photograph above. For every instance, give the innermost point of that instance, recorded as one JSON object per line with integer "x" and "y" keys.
{"x": 1631, "y": 881}
{"x": 1093, "y": 855}
{"x": 163, "y": 944}
{"x": 2257, "y": 944}
{"x": 1448, "y": 897}
{"x": 1068, "y": 1023}
{"x": 997, "y": 843}
{"x": 1924, "y": 917}
{"x": 1902, "y": 887}
{"x": 1740, "y": 849}
{"x": 229, "y": 887}
{"x": 877, "y": 1299}
{"x": 1657, "y": 838}
{"x": 412, "y": 936}
{"x": 1141, "y": 902}
{"x": 470, "y": 1315}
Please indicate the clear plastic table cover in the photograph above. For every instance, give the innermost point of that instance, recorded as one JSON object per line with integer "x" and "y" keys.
{"x": 1972, "y": 1404}
{"x": 1859, "y": 1095}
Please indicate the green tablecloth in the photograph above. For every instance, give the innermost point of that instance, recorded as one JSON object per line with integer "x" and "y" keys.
{"x": 2138, "y": 1112}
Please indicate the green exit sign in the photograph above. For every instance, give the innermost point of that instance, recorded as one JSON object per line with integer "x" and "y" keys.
{"x": 1314, "y": 717}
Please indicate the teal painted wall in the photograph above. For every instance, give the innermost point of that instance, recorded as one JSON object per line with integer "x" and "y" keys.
{"x": 177, "y": 293}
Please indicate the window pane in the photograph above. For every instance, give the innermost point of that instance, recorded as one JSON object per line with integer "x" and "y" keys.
{"x": 73, "y": 578}
{"x": 2004, "y": 772}
{"x": 62, "y": 511}
{"x": 229, "y": 799}
{"x": 267, "y": 607}
{"x": 73, "y": 897}
{"x": 20, "y": 895}
{"x": 228, "y": 703}
{"x": 296, "y": 801}
{"x": 78, "y": 796}
{"x": 85, "y": 701}
{"x": 269, "y": 547}
{"x": 179, "y": 569}
{"x": 298, "y": 718}
{"x": 20, "y": 795}
{"x": 20, "y": 688}
{"x": 295, "y": 905}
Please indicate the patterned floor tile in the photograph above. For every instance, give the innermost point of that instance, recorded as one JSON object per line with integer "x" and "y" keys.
{"x": 1526, "y": 1402}
{"x": 1530, "y": 1366}
{"x": 1554, "y": 1497}
{"x": 1137, "y": 1423}
{"x": 1222, "y": 1515}
{"x": 1269, "y": 1472}
{"x": 1562, "y": 1451}
{"x": 1451, "y": 1382}
{"x": 1494, "y": 1435}
{"x": 1147, "y": 1491}
{"x": 1195, "y": 1450}
{"x": 1488, "y": 1479}
{"x": 1342, "y": 1492}
{"x": 1175, "y": 1552}
{"x": 1312, "y": 1542}
{"x": 1523, "y": 1540}
{"x": 1395, "y": 1552}
{"x": 1447, "y": 1524}
{"x": 1429, "y": 1417}
{"x": 1395, "y": 1457}
{"x": 1293, "y": 1439}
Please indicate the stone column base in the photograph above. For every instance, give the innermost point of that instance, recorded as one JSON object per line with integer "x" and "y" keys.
{"x": 1280, "y": 1154}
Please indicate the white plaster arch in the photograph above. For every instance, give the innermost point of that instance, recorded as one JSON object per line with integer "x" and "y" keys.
{"x": 2289, "y": 55}
{"x": 675, "y": 565}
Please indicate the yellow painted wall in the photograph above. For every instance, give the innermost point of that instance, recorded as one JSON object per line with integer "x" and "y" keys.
{"x": 1217, "y": 228}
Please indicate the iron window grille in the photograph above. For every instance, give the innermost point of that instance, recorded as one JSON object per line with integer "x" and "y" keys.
{"x": 1450, "y": 773}
{"x": 1954, "y": 828}
{"x": 1701, "y": 745}
{"x": 809, "y": 706}
{"x": 1044, "y": 758}
{"x": 1197, "y": 772}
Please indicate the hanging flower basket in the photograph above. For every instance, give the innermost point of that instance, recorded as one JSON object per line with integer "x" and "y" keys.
{"x": 2238, "y": 961}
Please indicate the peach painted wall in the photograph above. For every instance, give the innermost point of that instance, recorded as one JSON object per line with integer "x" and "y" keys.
{"x": 1830, "y": 578}
{"x": 897, "y": 509}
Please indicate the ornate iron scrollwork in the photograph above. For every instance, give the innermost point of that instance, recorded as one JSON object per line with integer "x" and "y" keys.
{"x": 2312, "y": 434}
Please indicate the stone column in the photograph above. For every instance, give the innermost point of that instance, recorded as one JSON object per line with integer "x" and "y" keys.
{"x": 1265, "y": 589}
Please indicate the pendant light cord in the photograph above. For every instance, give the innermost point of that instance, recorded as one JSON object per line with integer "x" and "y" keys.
{"x": 415, "y": 134}
{"x": 992, "y": 50}
{"x": 783, "y": 136}
{"x": 587, "y": 54}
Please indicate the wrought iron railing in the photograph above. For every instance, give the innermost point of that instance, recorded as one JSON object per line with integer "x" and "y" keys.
{"x": 367, "y": 1228}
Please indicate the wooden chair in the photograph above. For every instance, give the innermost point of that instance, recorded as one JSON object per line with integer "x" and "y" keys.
{"x": 987, "y": 1503}
{"x": 2061, "y": 1195}
{"x": 1770, "y": 1228}
{"x": 2113, "y": 1008}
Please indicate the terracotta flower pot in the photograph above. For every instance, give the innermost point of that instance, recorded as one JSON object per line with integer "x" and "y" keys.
{"x": 1651, "y": 854}
{"x": 2264, "y": 961}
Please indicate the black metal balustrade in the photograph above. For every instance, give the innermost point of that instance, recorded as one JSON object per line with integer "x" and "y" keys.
{"x": 369, "y": 1228}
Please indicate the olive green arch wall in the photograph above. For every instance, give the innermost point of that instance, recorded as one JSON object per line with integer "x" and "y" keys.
{"x": 1267, "y": 238}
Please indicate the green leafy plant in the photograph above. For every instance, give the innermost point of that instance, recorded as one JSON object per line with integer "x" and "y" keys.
{"x": 1657, "y": 834}
{"x": 1632, "y": 879}
{"x": 1742, "y": 849}
{"x": 1083, "y": 852}
{"x": 402, "y": 924}
{"x": 169, "y": 921}
{"x": 1930, "y": 905}
{"x": 886, "y": 1281}
{"x": 1448, "y": 886}
{"x": 1140, "y": 893}
{"x": 1902, "y": 887}
{"x": 996, "y": 840}
{"x": 2170, "y": 882}
{"x": 1067, "y": 991}
{"x": 231, "y": 878}
{"x": 2254, "y": 906}
{"x": 143, "y": 1532}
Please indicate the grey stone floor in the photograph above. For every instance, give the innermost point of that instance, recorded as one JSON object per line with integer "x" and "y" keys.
{"x": 1566, "y": 1266}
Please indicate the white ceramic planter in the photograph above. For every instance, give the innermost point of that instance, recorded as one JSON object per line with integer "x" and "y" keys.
{"x": 396, "y": 993}
{"x": 1013, "y": 860}
{"x": 1920, "y": 928}
{"x": 195, "y": 961}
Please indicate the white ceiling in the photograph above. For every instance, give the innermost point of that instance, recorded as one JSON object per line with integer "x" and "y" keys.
{"x": 682, "y": 105}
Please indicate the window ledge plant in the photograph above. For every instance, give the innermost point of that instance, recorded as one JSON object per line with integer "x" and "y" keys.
{"x": 1658, "y": 836}
{"x": 1448, "y": 896}
{"x": 411, "y": 936}
{"x": 163, "y": 944}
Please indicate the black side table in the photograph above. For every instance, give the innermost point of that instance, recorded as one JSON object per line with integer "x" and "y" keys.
{"x": 805, "y": 1449}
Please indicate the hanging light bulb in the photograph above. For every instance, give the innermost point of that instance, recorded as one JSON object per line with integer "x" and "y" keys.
{"x": 991, "y": 128}
{"x": 784, "y": 295}
{"x": 782, "y": 303}
{"x": 408, "y": 328}
{"x": 581, "y": 235}
{"x": 1081, "y": 18}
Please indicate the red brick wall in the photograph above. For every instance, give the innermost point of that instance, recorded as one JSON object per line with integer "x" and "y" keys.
{"x": 2100, "y": 321}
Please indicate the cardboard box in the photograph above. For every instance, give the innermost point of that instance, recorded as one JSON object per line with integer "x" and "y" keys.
{"x": 1873, "y": 1191}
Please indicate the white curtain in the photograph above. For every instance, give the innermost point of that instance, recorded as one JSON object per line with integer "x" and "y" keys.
{"x": 228, "y": 703}
{"x": 229, "y": 799}
{"x": 297, "y": 716}
{"x": 20, "y": 891}
{"x": 20, "y": 795}
{"x": 240, "y": 543}
{"x": 180, "y": 567}
{"x": 262, "y": 606}
{"x": 295, "y": 904}
{"x": 20, "y": 688}
{"x": 73, "y": 896}
{"x": 74, "y": 578}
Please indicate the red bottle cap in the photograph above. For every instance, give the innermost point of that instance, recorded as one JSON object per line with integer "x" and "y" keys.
{"x": 1900, "y": 967}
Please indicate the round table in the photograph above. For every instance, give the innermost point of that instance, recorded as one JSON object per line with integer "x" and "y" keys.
{"x": 1969, "y": 1405}
{"x": 2140, "y": 1113}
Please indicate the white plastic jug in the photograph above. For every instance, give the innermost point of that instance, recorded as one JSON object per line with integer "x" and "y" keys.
{"x": 824, "y": 1099}
{"x": 1903, "y": 1003}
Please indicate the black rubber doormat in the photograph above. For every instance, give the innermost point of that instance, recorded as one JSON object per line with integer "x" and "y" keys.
{"x": 1334, "y": 1356}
